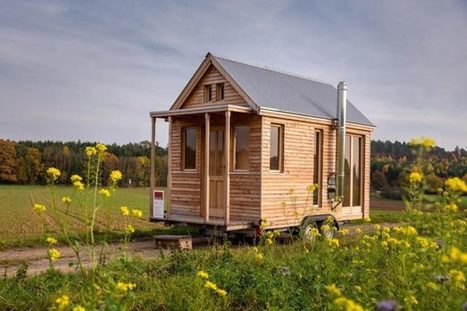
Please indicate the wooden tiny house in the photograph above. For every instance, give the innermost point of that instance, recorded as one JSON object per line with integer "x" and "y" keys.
{"x": 245, "y": 144}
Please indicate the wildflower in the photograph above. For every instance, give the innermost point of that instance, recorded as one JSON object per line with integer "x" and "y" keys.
{"x": 54, "y": 173}
{"x": 377, "y": 227}
{"x": 115, "y": 176}
{"x": 263, "y": 223}
{"x": 333, "y": 242}
{"x": 455, "y": 255}
{"x": 79, "y": 308}
{"x": 51, "y": 241}
{"x": 129, "y": 229}
{"x": 269, "y": 241}
{"x": 358, "y": 231}
{"x": 54, "y": 254}
{"x": 125, "y": 211}
{"x": 39, "y": 208}
{"x": 358, "y": 288}
{"x": 451, "y": 208}
{"x": 312, "y": 187}
{"x": 432, "y": 285}
{"x": 66, "y": 200}
{"x": 75, "y": 178}
{"x": 423, "y": 141}
{"x": 458, "y": 277}
{"x": 62, "y": 302}
{"x": 78, "y": 184}
{"x": 325, "y": 228}
{"x": 104, "y": 192}
{"x": 344, "y": 231}
{"x": 456, "y": 184}
{"x": 333, "y": 290}
{"x": 124, "y": 287}
{"x": 137, "y": 213}
{"x": 387, "y": 305}
{"x": 386, "y": 229}
{"x": 411, "y": 300}
{"x": 90, "y": 151}
{"x": 415, "y": 177}
{"x": 210, "y": 285}
{"x": 221, "y": 292}
{"x": 367, "y": 219}
{"x": 259, "y": 257}
{"x": 347, "y": 304}
{"x": 101, "y": 147}
{"x": 202, "y": 274}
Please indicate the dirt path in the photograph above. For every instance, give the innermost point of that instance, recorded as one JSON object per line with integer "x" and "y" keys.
{"x": 37, "y": 260}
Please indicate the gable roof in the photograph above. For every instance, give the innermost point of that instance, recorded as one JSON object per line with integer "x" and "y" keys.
{"x": 265, "y": 88}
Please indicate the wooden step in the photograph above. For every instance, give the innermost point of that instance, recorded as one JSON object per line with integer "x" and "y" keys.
{"x": 183, "y": 242}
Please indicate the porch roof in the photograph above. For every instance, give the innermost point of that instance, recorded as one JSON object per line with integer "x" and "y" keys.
{"x": 200, "y": 110}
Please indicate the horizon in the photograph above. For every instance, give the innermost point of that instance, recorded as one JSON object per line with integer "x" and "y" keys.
{"x": 94, "y": 71}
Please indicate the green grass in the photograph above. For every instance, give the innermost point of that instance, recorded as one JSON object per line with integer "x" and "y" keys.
{"x": 20, "y": 225}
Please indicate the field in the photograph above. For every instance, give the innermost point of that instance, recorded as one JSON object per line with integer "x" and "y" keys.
{"x": 20, "y": 225}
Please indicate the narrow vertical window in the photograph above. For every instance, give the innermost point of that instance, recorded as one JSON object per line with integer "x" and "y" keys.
{"x": 220, "y": 91}
{"x": 317, "y": 167}
{"x": 189, "y": 148}
{"x": 353, "y": 170}
{"x": 276, "y": 147}
{"x": 241, "y": 147}
{"x": 207, "y": 93}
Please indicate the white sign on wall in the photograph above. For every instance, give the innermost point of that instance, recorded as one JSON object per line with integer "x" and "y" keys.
{"x": 158, "y": 204}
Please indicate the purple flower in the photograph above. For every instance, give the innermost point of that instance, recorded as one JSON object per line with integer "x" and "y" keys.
{"x": 387, "y": 305}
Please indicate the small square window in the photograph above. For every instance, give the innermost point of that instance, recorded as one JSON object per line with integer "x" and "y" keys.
{"x": 220, "y": 91}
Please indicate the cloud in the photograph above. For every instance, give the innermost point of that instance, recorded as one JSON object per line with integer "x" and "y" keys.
{"x": 94, "y": 70}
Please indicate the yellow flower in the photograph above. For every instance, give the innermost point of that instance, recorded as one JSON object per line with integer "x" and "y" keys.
{"x": 75, "y": 178}
{"x": 90, "y": 151}
{"x": 137, "y": 213}
{"x": 129, "y": 229}
{"x": 432, "y": 285}
{"x": 104, "y": 192}
{"x": 312, "y": 187}
{"x": 79, "y": 308}
{"x": 62, "y": 302}
{"x": 344, "y": 231}
{"x": 423, "y": 141}
{"x": 386, "y": 229}
{"x": 210, "y": 285}
{"x": 115, "y": 176}
{"x": 269, "y": 241}
{"x": 347, "y": 304}
{"x": 358, "y": 231}
{"x": 333, "y": 242}
{"x": 263, "y": 223}
{"x": 333, "y": 290}
{"x": 377, "y": 227}
{"x": 451, "y": 208}
{"x": 411, "y": 300}
{"x": 54, "y": 173}
{"x": 456, "y": 184}
{"x": 51, "y": 240}
{"x": 415, "y": 177}
{"x": 221, "y": 292}
{"x": 78, "y": 184}
{"x": 39, "y": 208}
{"x": 124, "y": 287}
{"x": 367, "y": 219}
{"x": 259, "y": 257}
{"x": 358, "y": 288}
{"x": 54, "y": 254}
{"x": 202, "y": 274}
{"x": 66, "y": 200}
{"x": 101, "y": 147}
{"x": 125, "y": 211}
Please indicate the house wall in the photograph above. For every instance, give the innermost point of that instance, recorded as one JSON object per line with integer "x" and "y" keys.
{"x": 212, "y": 76}
{"x": 285, "y": 199}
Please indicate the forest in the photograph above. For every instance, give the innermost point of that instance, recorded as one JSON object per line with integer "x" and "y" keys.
{"x": 24, "y": 162}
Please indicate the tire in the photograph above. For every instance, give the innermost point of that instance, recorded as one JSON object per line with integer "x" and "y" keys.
{"x": 305, "y": 230}
{"x": 327, "y": 233}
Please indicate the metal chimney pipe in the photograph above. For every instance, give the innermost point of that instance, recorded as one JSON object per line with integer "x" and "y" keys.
{"x": 341, "y": 118}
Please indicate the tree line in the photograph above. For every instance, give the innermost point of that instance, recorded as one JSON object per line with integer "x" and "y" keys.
{"x": 25, "y": 162}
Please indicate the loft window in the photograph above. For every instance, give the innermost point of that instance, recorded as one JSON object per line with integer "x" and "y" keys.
{"x": 353, "y": 170}
{"x": 317, "y": 166}
{"x": 220, "y": 91}
{"x": 276, "y": 148}
{"x": 207, "y": 93}
{"x": 241, "y": 146}
{"x": 189, "y": 148}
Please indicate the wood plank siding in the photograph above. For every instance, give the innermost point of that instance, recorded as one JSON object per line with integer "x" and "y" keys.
{"x": 212, "y": 77}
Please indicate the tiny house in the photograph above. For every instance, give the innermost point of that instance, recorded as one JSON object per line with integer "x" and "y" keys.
{"x": 246, "y": 142}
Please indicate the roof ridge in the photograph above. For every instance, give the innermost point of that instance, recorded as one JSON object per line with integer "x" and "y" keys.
{"x": 275, "y": 70}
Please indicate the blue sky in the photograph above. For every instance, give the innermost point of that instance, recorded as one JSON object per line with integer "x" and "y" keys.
{"x": 92, "y": 70}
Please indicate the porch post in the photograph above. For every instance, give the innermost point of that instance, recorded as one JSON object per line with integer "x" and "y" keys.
{"x": 227, "y": 166}
{"x": 152, "y": 178}
{"x": 207, "y": 128}
{"x": 169, "y": 170}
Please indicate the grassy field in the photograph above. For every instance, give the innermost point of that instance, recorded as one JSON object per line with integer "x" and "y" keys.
{"x": 20, "y": 225}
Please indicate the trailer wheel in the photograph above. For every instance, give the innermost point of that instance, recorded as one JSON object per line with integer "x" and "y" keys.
{"x": 306, "y": 230}
{"x": 327, "y": 231}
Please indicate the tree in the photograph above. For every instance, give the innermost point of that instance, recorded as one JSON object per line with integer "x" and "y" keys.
{"x": 378, "y": 181}
{"x": 142, "y": 171}
{"x": 8, "y": 162}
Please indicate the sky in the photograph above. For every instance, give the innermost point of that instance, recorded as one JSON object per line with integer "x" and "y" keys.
{"x": 93, "y": 70}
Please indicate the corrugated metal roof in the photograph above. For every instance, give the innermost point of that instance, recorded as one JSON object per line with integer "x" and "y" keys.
{"x": 290, "y": 93}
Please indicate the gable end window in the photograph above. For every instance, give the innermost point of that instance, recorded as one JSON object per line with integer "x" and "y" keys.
{"x": 276, "y": 148}
{"x": 220, "y": 91}
{"x": 207, "y": 93}
{"x": 189, "y": 148}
